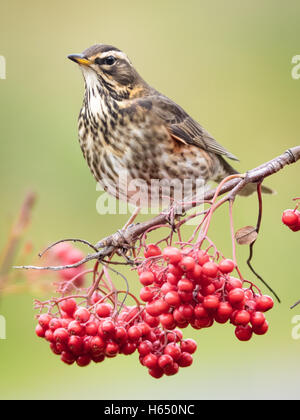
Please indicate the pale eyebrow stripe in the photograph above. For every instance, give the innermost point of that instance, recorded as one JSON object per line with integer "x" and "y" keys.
{"x": 117, "y": 54}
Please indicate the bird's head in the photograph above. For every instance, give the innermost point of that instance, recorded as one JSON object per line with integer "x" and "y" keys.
{"x": 109, "y": 69}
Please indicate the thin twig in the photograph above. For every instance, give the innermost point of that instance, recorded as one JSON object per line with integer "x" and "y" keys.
{"x": 258, "y": 225}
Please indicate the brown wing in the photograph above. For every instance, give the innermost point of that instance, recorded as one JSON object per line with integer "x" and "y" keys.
{"x": 181, "y": 126}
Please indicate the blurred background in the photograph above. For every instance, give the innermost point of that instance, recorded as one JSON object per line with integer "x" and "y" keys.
{"x": 229, "y": 65}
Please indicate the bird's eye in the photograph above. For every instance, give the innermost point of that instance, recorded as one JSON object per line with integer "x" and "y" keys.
{"x": 110, "y": 60}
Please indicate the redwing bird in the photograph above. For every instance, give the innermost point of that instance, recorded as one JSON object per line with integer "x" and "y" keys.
{"x": 129, "y": 131}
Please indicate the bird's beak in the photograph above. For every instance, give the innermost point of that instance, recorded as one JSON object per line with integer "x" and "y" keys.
{"x": 79, "y": 59}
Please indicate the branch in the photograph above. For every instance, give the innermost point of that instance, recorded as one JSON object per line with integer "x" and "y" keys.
{"x": 133, "y": 233}
{"x": 126, "y": 238}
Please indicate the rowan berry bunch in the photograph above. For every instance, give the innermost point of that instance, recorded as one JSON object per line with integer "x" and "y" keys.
{"x": 106, "y": 327}
{"x": 189, "y": 287}
{"x": 184, "y": 283}
{"x": 291, "y": 218}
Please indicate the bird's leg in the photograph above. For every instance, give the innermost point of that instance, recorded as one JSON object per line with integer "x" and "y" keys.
{"x": 120, "y": 232}
{"x": 128, "y": 224}
{"x": 171, "y": 218}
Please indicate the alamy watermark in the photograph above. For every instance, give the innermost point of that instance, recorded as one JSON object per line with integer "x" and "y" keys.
{"x": 2, "y": 328}
{"x": 2, "y": 67}
{"x": 125, "y": 195}
{"x": 296, "y": 328}
{"x": 296, "y": 67}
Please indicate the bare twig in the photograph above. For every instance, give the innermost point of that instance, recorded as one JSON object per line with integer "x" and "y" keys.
{"x": 15, "y": 236}
{"x": 249, "y": 260}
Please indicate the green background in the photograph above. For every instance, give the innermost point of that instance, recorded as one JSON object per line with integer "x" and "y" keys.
{"x": 228, "y": 63}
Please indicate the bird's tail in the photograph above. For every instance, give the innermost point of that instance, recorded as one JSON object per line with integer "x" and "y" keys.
{"x": 249, "y": 188}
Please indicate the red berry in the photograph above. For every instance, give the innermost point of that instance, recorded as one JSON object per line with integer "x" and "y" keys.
{"x": 157, "y": 307}
{"x": 98, "y": 358}
{"x": 257, "y": 319}
{"x": 75, "y": 344}
{"x": 196, "y": 273}
{"x": 83, "y": 360}
{"x": 226, "y": 266}
{"x": 188, "y": 346}
{"x": 152, "y": 251}
{"x": 67, "y": 357}
{"x": 264, "y": 303}
{"x": 82, "y": 315}
{"x": 103, "y": 310}
{"x": 91, "y": 328}
{"x": 54, "y": 324}
{"x": 243, "y": 333}
{"x": 69, "y": 306}
{"x": 167, "y": 321}
{"x": 172, "y": 280}
{"x": 186, "y": 310}
{"x": 290, "y": 218}
{"x": 156, "y": 372}
{"x": 297, "y": 227}
{"x": 185, "y": 297}
{"x": 171, "y": 369}
{"x": 175, "y": 270}
{"x": 54, "y": 349}
{"x": 96, "y": 344}
{"x": 261, "y": 329}
{"x": 173, "y": 350}
{"x": 236, "y": 296}
{"x": 233, "y": 283}
{"x": 107, "y": 327}
{"x": 49, "y": 336}
{"x": 75, "y": 328}
{"x": 96, "y": 297}
{"x": 44, "y": 320}
{"x": 150, "y": 361}
{"x": 185, "y": 285}
{"x": 187, "y": 263}
{"x": 128, "y": 348}
{"x": 210, "y": 269}
{"x": 61, "y": 335}
{"x": 241, "y": 318}
{"x": 145, "y": 347}
{"x": 147, "y": 278}
{"x": 173, "y": 299}
{"x": 61, "y": 346}
{"x": 202, "y": 257}
{"x": 152, "y": 321}
{"x": 73, "y": 256}
{"x": 146, "y": 294}
{"x": 208, "y": 290}
{"x": 120, "y": 334}
{"x": 134, "y": 333}
{"x": 211, "y": 302}
{"x": 200, "y": 311}
{"x": 40, "y": 331}
{"x": 185, "y": 359}
{"x": 62, "y": 249}
{"x": 224, "y": 309}
{"x": 112, "y": 349}
{"x": 165, "y": 360}
{"x": 172, "y": 255}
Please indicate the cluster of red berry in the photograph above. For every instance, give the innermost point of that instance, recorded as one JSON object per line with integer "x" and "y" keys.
{"x": 181, "y": 287}
{"x": 291, "y": 218}
{"x": 82, "y": 335}
{"x": 184, "y": 288}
